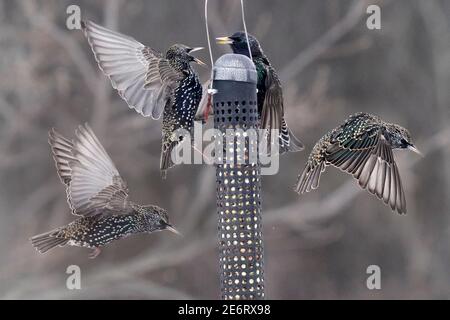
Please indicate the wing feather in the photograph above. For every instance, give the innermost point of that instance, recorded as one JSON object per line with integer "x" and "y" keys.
{"x": 140, "y": 74}
{"x": 360, "y": 149}
{"x": 62, "y": 155}
{"x": 93, "y": 184}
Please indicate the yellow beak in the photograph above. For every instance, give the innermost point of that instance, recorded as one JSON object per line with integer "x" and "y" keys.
{"x": 224, "y": 40}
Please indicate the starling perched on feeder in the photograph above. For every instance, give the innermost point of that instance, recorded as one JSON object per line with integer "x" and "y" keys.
{"x": 97, "y": 193}
{"x": 270, "y": 93}
{"x": 150, "y": 82}
{"x": 362, "y": 146}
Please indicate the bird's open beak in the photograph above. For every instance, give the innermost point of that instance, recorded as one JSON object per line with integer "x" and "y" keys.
{"x": 196, "y": 49}
{"x": 172, "y": 229}
{"x": 224, "y": 40}
{"x": 200, "y": 62}
{"x": 197, "y": 60}
{"x": 414, "y": 149}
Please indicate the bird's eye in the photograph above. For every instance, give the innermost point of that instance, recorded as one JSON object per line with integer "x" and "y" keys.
{"x": 404, "y": 142}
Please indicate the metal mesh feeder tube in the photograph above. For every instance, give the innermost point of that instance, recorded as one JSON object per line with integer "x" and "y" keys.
{"x": 238, "y": 179}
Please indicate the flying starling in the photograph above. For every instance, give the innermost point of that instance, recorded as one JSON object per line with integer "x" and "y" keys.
{"x": 270, "y": 93}
{"x": 150, "y": 82}
{"x": 362, "y": 146}
{"x": 97, "y": 193}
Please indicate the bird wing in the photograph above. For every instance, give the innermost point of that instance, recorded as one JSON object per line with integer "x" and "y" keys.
{"x": 273, "y": 109}
{"x": 362, "y": 150}
{"x": 93, "y": 184}
{"x": 141, "y": 75}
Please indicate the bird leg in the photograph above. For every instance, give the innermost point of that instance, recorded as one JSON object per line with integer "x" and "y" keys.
{"x": 95, "y": 253}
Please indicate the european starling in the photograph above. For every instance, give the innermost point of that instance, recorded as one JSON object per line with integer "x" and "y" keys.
{"x": 362, "y": 146}
{"x": 150, "y": 82}
{"x": 270, "y": 93}
{"x": 97, "y": 193}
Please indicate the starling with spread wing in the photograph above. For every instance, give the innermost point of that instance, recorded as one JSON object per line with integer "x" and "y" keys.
{"x": 98, "y": 195}
{"x": 270, "y": 93}
{"x": 363, "y": 147}
{"x": 151, "y": 83}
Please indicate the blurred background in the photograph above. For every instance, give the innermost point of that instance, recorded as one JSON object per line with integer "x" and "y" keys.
{"x": 317, "y": 246}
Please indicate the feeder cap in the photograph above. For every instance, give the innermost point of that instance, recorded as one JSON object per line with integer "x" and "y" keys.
{"x": 235, "y": 67}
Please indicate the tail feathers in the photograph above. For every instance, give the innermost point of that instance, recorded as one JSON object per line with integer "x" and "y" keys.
{"x": 46, "y": 241}
{"x": 166, "y": 158}
{"x": 293, "y": 145}
{"x": 288, "y": 141}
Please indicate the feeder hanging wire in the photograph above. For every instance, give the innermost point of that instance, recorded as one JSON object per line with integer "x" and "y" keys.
{"x": 210, "y": 87}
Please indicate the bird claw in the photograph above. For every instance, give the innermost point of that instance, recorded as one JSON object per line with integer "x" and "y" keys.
{"x": 95, "y": 253}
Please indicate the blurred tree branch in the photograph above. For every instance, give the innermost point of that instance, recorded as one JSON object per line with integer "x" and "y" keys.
{"x": 69, "y": 43}
{"x": 339, "y": 30}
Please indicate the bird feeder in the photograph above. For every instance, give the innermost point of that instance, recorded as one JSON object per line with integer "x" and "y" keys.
{"x": 238, "y": 179}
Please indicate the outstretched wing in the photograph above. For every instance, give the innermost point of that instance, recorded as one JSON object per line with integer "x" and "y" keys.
{"x": 143, "y": 78}
{"x": 361, "y": 149}
{"x": 93, "y": 184}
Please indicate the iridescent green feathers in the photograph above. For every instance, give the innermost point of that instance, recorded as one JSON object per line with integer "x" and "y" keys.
{"x": 270, "y": 92}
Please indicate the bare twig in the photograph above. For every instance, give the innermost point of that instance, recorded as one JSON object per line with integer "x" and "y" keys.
{"x": 65, "y": 40}
{"x": 340, "y": 29}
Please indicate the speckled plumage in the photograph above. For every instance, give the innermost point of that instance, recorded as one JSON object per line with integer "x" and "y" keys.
{"x": 362, "y": 146}
{"x": 180, "y": 111}
{"x": 97, "y": 193}
{"x": 97, "y": 231}
{"x": 270, "y": 93}
{"x": 151, "y": 83}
